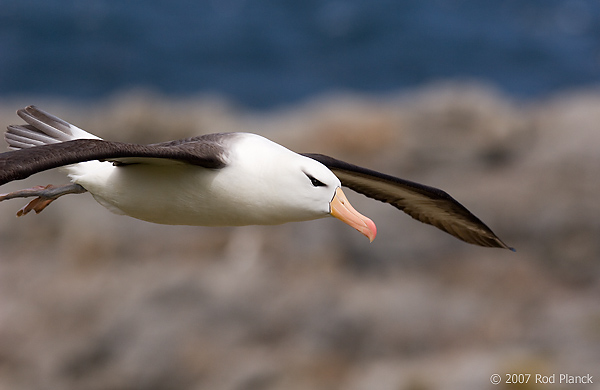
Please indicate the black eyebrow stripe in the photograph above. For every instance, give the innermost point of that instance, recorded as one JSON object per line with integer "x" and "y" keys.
{"x": 315, "y": 182}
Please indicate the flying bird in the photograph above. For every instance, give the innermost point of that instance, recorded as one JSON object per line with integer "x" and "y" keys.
{"x": 225, "y": 179}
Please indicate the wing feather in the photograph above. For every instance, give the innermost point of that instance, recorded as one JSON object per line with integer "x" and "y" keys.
{"x": 20, "y": 164}
{"x": 426, "y": 204}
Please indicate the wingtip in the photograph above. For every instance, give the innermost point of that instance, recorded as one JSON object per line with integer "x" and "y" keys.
{"x": 503, "y": 245}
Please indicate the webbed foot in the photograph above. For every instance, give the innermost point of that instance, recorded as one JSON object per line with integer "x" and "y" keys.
{"x": 44, "y": 196}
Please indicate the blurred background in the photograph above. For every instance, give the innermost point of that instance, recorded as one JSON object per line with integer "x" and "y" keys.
{"x": 495, "y": 102}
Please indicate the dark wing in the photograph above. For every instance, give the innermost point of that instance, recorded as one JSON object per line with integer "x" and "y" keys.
{"x": 203, "y": 151}
{"x": 426, "y": 204}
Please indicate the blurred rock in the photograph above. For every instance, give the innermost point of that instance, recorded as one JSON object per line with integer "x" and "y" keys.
{"x": 92, "y": 300}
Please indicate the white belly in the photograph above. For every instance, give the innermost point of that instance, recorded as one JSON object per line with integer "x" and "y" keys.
{"x": 179, "y": 194}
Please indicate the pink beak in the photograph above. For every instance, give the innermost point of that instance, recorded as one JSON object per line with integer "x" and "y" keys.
{"x": 343, "y": 210}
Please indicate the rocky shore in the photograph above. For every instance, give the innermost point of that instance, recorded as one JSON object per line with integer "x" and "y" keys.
{"x": 92, "y": 300}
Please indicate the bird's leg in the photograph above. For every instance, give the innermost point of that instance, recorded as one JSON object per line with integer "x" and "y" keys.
{"x": 45, "y": 196}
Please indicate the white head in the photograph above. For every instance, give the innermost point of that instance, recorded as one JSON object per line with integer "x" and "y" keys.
{"x": 280, "y": 186}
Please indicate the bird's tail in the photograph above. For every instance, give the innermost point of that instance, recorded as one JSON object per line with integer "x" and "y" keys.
{"x": 41, "y": 129}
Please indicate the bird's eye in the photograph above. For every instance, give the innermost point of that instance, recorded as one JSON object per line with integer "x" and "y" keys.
{"x": 316, "y": 182}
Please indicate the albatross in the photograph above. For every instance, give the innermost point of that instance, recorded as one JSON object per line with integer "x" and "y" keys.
{"x": 225, "y": 179}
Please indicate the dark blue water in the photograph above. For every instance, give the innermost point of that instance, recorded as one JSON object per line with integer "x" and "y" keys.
{"x": 271, "y": 52}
